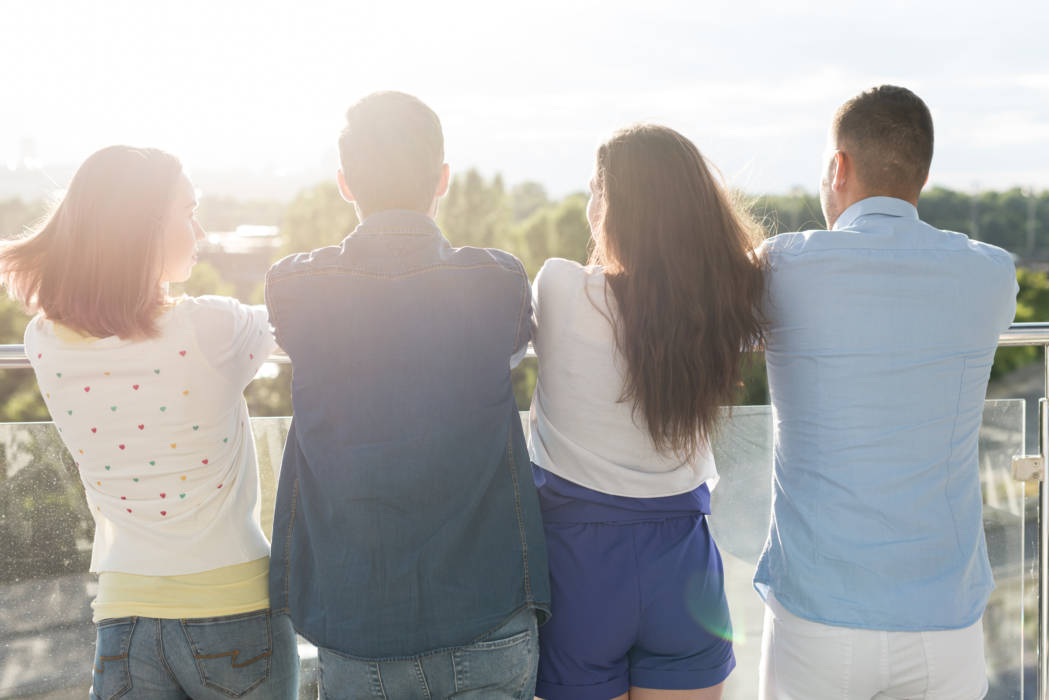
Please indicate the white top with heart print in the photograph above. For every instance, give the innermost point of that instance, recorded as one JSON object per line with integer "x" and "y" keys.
{"x": 160, "y": 434}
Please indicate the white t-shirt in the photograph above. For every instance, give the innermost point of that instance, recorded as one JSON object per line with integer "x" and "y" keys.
{"x": 579, "y": 429}
{"x": 159, "y": 431}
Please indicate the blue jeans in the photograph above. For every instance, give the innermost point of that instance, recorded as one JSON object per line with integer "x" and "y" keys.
{"x": 251, "y": 655}
{"x": 498, "y": 666}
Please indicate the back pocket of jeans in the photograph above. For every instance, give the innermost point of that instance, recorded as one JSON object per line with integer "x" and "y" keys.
{"x": 497, "y": 668}
{"x": 232, "y": 653}
{"x": 110, "y": 676}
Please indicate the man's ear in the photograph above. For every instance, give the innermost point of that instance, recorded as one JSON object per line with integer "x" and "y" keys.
{"x": 442, "y": 184}
{"x": 842, "y": 166}
{"x": 344, "y": 189}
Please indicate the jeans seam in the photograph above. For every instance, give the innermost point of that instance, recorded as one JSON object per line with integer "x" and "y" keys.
{"x": 422, "y": 677}
{"x": 162, "y": 655}
{"x": 528, "y": 671}
{"x": 378, "y": 680}
{"x": 455, "y": 672}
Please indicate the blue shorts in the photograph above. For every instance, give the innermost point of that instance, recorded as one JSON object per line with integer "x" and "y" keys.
{"x": 637, "y": 599}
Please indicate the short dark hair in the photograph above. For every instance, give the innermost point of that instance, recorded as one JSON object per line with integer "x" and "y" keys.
{"x": 391, "y": 151}
{"x": 888, "y": 132}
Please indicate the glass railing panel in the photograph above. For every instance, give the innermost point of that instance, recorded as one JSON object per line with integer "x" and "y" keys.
{"x": 740, "y": 505}
{"x": 46, "y": 635}
{"x": 47, "y": 639}
{"x": 1010, "y": 517}
{"x": 742, "y": 501}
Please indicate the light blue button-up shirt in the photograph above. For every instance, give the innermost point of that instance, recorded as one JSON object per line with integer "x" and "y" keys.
{"x": 880, "y": 342}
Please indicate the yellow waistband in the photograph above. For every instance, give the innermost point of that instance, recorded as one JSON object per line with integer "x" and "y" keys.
{"x": 225, "y": 591}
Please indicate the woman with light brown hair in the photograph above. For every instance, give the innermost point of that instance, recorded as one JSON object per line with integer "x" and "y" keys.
{"x": 637, "y": 353}
{"x": 147, "y": 394}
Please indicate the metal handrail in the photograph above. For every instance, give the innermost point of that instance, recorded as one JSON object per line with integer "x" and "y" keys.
{"x": 1018, "y": 334}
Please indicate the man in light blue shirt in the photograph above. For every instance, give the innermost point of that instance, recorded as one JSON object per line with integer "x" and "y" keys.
{"x": 881, "y": 334}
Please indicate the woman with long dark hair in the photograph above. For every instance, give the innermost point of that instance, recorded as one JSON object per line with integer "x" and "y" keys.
{"x": 637, "y": 353}
{"x": 147, "y": 394}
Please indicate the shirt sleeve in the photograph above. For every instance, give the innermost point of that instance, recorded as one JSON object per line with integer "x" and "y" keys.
{"x": 1010, "y": 313}
{"x": 524, "y": 324}
{"x": 235, "y": 337}
{"x": 537, "y": 297}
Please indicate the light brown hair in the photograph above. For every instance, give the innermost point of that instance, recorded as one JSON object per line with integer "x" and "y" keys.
{"x": 888, "y": 132}
{"x": 391, "y": 152}
{"x": 94, "y": 264}
{"x": 678, "y": 256}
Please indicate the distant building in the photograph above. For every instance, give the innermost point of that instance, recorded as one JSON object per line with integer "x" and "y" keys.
{"x": 243, "y": 255}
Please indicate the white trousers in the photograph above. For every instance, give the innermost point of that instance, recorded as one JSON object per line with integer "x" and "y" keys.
{"x": 805, "y": 660}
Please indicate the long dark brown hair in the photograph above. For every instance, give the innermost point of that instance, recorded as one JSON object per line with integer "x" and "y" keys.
{"x": 678, "y": 254}
{"x": 94, "y": 264}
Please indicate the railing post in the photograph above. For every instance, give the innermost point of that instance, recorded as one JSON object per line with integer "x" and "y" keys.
{"x": 1043, "y": 543}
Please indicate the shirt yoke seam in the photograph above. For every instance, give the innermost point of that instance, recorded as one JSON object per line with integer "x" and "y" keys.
{"x": 354, "y": 272}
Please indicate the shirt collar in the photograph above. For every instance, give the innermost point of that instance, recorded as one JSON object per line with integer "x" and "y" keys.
{"x": 885, "y": 206}
{"x": 398, "y": 222}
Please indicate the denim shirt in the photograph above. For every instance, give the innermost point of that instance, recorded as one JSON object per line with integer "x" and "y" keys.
{"x": 406, "y": 518}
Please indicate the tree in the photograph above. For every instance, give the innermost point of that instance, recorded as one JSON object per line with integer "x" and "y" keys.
{"x": 205, "y": 279}
{"x": 475, "y": 213}
{"x": 797, "y": 211}
{"x": 317, "y": 217}
{"x": 527, "y": 198}
{"x": 17, "y": 216}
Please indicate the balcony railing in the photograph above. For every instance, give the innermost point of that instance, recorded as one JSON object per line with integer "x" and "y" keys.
{"x": 47, "y": 639}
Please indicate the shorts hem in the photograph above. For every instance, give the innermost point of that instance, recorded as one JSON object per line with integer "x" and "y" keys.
{"x": 598, "y": 691}
{"x": 667, "y": 679}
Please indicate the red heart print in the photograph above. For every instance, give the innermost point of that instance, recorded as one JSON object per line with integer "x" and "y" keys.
{"x": 94, "y": 430}
{"x": 182, "y": 352}
{"x": 163, "y": 495}
{"x": 128, "y": 510}
{"x": 163, "y": 512}
{"x": 123, "y": 498}
{"x": 141, "y": 426}
{"x": 251, "y": 355}
{"x": 121, "y": 446}
{"x": 39, "y": 355}
{"x": 135, "y": 387}
{"x": 220, "y": 485}
{"x": 87, "y": 388}
{"x": 204, "y": 461}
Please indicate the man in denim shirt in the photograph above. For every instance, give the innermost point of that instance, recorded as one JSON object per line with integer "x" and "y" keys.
{"x": 407, "y": 541}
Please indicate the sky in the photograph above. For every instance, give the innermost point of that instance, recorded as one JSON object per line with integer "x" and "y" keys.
{"x": 252, "y": 91}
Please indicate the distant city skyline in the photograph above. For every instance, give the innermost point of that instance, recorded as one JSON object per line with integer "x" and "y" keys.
{"x": 250, "y": 95}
